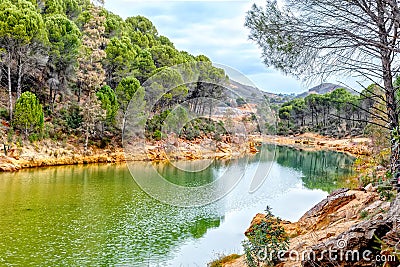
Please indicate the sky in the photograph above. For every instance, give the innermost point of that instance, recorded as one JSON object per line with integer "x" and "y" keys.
{"x": 215, "y": 29}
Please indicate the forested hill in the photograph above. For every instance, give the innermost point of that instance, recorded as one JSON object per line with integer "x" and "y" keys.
{"x": 337, "y": 112}
{"x": 70, "y": 68}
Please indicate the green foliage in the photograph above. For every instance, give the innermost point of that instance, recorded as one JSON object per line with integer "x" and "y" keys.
{"x": 141, "y": 31}
{"x": 176, "y": 120}
{"x": 3, "y": 113}
{"x": 71, "y": 48}
{"x": 200, "y": 127}
{"x": 284, "y": 113}
{"x": 155, "y": 124}
{"x": 72, "y": 116}
{"x": 109, "y": 103}
{"x": 70, "y": 8}
{"x": 28, "y": 115}
{"x": 334, "y": 114}
{"x": 64, "y": 37}
{"x": 202, "y": 58}
{"x": 157, "y": 135}
{"x": 165, "y": 41}
{"x": 385, "y": 191}
{"x": 264, "y": 241}
{"x": 143, "y": 65}
{"x": 165, "y": 56}
{"x": 114, "y": 26}
{"x": 20, "y": 21}
{"x": 364, "y": 214}
{"x": 34, "y": 137}
{"x": 169, "y": 86}
{"x": 141, "y": 24}
{"x": 120, "y": 58}
{"x": 270, "y": 128}
{"x": 126, "y": 90}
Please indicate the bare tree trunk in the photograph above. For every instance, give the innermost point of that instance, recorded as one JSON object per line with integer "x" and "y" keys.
{"x": 312, "y": 116}
{"x": 53, "y": 99}
{"x": 123, "y": 124}
{"x": 19, "y": 84}
{"x": 10, "y": 100}
{"x": 394, "y": 122}
{"x": 86, "y": 140}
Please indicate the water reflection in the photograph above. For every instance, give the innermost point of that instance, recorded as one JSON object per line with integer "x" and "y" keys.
{"x": 325, "y": 170}
{"x": 97, "y": 215}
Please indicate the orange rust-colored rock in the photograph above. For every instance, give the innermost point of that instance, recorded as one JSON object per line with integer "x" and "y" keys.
{"x": 327, "y": 220}
{"x": 319, "y": 215}
{"x": 253, "y": 148}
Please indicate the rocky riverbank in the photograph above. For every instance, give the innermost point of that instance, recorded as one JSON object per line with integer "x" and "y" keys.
{"x": 309, "y": 141}
{"x": 346, "y": 220}
{"x": 48, "y": 153}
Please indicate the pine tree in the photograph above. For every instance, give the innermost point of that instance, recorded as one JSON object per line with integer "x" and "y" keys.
{"x": 28, "y": 114}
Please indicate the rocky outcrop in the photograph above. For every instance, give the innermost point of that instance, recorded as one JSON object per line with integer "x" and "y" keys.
{"x": 321, "y": 214}
{"x": 8, "y": 164}
{"x": 11, "y": 164}
{"x": 370, "y": 240}
{"x": 338, "y": 221}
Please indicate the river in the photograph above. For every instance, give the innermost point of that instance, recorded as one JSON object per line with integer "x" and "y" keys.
{"x": 97, "y": 215}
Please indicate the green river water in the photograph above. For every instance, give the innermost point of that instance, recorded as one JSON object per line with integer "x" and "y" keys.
{"x": 97, "y": 215}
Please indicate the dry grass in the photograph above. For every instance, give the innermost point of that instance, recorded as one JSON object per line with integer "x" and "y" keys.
{"x": 222, "y": 260}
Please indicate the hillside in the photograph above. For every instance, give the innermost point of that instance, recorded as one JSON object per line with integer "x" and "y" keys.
{"x": 254, "y": 95}
{"x": 323, "y": 88}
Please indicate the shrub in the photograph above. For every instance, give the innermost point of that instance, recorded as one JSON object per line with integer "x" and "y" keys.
{"x": 385, "y": 191}
{"x": 264, "y": 241}
{"x": 157, "y": 135}
{"x": 3, "y": 113}
{"x": 109, "y": 103}
{"x": 364, "y": 214}
{"x": 104, "y": 142}
{"x": 34, "y": 137}
{"x": 72, "y": 116}
{"x": 28, "y": 115}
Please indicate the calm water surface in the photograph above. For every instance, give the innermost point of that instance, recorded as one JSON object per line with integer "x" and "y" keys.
{"x": 96, "y": 215}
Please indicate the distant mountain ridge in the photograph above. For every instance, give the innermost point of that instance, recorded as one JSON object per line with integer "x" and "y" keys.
{"x": 252, "y": 94}
{"x": 321, "y": 89}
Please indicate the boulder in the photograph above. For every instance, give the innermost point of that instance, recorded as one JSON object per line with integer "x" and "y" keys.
{"x": 318, "y": 216}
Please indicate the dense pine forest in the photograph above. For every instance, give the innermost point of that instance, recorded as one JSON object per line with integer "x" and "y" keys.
{"x": 70, "y": 68}
{"x": 339, "y": 113}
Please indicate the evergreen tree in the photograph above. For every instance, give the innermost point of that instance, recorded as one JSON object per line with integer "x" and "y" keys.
{"x": 28, "y": 114}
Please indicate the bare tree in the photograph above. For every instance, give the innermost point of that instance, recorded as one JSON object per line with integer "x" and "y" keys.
{"x": 319, "y": 38}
